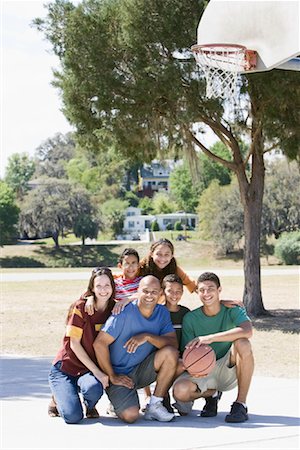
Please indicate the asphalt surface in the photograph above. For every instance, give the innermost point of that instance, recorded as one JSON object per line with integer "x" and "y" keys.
{"x": 273, "y": 423}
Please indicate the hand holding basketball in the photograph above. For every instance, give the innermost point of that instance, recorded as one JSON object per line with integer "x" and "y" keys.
{"x": 199, "y": 360}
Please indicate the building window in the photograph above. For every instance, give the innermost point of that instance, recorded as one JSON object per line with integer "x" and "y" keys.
{"x": 131, "y": 224}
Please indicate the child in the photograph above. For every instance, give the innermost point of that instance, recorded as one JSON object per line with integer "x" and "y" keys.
{"x": 126, "y": 284}
{"x": 173, "y": 290}
{"x": 75, "y": 368}
{"x": 161, "y": 262}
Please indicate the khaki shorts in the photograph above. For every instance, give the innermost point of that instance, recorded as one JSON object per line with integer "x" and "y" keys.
{"x": 222, "y": 378}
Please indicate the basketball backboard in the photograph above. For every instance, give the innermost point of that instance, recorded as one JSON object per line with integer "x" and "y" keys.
{"x": 270, "y": 27}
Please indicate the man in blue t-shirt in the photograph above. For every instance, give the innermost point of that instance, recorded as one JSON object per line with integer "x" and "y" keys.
{"x": 134, "y": 349}
{"x": 227, "y": 331}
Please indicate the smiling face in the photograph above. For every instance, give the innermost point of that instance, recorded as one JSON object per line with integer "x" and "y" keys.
{"x": 209, "y": 293}
{"x": 102, "y": 289}
{"x": 173, "y": 292}
{"x": 130, "y": 267}
{"x": 162, "y": 256}
{"x": 148, "y": 293}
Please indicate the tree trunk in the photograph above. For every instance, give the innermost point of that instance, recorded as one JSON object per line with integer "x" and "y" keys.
{"x": 252, "y": 199}
{"x": 55, "y": 236}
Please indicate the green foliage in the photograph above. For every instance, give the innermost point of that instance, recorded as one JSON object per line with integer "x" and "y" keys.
{"x": 146, "y": 206}
{"x": 211, "y": 170}
{"x": 46, "y": 210}
{"x": 178, "y": 226}
{"x": 154, "y": 226}
{"x": 53, "y": 155}
{"x": 132, "y": 198}
{"x": 184, "y": 189}
{"x": 221, "y": 216}
{"x": 287, "y": 248}
{"x": 281, "y": 206}
{"x": 163, "y": 204}
{"x": 112, "y": 214}
{"x": 19, "y": 171}
{"x": 85, "y": 227}
{"x": 9, "y": 214}
{"x": 170, "y": 227}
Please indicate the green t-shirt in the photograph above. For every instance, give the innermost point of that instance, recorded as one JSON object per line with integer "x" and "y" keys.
{"x": 196, "y": 323}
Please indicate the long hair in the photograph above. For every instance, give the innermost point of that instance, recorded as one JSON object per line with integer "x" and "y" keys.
{"x": 148, "y": 267}
{"x": 97, "y": 272}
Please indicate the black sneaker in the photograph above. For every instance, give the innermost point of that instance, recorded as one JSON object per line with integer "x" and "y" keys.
{"x": 238, "y": 413}
{"x": 211, "y": 406}
{"x": 167, "y": 403}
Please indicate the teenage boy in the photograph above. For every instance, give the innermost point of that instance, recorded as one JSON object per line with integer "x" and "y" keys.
{"x": 227, "y": 330}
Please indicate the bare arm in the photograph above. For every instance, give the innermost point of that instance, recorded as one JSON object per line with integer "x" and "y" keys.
{"x": 157, "y": 341}
{"x": 101, "y": 347}
{"x": 82, "y": 355}
{"x": 244, "y": 330}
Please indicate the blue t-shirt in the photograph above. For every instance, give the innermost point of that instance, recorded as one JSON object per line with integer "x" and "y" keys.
{"x": 131, "y": 322}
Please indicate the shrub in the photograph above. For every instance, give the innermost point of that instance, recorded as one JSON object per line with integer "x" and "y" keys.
{"x": 154, "y": 226}
{"x": 178, "y": 226}
{"x": 287, "y": 248}
{"x": 169, "y": 227}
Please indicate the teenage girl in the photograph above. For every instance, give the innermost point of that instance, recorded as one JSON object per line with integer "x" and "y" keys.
{"x": 161, "y": 262}
{"x": 75, "y": 367}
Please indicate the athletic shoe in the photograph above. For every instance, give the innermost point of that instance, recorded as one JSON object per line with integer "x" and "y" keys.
{"x": 211, "y": 406}
{"x": 91, "y": 413}
{"x": 238, "y": 413}
{"x": 158, "y": 412}
{"x": 167, "y": 403}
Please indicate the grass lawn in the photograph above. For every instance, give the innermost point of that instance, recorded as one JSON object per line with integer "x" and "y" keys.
{"x": 33, "y": 315}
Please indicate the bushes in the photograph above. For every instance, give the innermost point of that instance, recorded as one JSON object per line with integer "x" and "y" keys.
{"x": 287, "y": 248}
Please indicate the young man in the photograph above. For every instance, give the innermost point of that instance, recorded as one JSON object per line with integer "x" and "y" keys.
{"x": 134, "y": 349}
{"x": 227, "y": 330}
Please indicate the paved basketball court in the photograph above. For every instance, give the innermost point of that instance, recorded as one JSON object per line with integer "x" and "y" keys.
{"x": 273, "y": 406}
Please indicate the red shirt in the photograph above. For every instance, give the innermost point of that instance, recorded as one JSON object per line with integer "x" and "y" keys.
{"x": 86, "y": 328}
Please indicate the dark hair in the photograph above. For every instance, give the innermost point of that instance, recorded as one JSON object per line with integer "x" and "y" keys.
{"x": 209, "y": 276}
{"x": 172, "y": 278}
{"x": 148, "y": 267}
{"x": 127, "y": 252}
{"x": 97, "y": 272}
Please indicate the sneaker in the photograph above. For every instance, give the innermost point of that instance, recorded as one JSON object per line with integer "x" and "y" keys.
{"x": 167, "y": 403}
{"x": 211, "y": 406}
{"x": 238, "y": 413}
{"x": 91, "y": 413}
{"x": 158, "y": 412}
{"x": 111, "y": 411}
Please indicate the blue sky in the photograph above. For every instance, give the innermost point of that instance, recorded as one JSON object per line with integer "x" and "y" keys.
{"x": 30, "y": 105}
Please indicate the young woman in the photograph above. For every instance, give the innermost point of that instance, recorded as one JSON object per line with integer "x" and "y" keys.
{"x": 75, "y": 368}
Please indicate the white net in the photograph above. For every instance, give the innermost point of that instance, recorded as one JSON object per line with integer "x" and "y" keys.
{"x": 221, "y": 65}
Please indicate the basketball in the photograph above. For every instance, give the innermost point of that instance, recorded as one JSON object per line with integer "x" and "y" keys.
{"x": 199, "y": 361}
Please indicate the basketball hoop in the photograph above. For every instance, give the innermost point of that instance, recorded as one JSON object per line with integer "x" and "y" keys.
{"x": 222, "y": 65}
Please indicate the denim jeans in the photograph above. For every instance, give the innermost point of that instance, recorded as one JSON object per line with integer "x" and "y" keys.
{"x": 65, "y": 388}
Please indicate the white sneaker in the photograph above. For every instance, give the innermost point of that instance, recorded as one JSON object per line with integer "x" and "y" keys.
{"x": 158, "y": 412}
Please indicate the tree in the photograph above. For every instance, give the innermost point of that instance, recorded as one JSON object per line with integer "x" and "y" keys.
{"x": 183, "y": 189}
{"x": 113, "y": 212}
{"x": 84, "y": 221}
{"x": 163, "y": 204}
{"x": 146, "y": 206}
{"x": 139, "y": 85}
{"x": 211, "y": 170}
{"x": 53, "y": 155}
{"x": 19, "y": 171}
{"x": 281, "y": 206}
{"x": 9, "y": 214}
{"x": 46, "y": 210}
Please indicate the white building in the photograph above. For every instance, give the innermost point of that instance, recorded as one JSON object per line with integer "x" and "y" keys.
{"x": 135, "y": 222}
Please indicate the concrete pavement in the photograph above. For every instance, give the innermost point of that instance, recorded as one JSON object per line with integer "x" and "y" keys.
{"x": 273, "y": 409}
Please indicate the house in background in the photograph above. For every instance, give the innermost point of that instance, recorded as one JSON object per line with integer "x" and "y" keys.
{"x": 154, "y": 177}
{"x": 136, "y": 223}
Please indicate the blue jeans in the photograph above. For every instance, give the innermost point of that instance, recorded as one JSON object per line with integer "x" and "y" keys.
{"x": 65, "y": 388}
